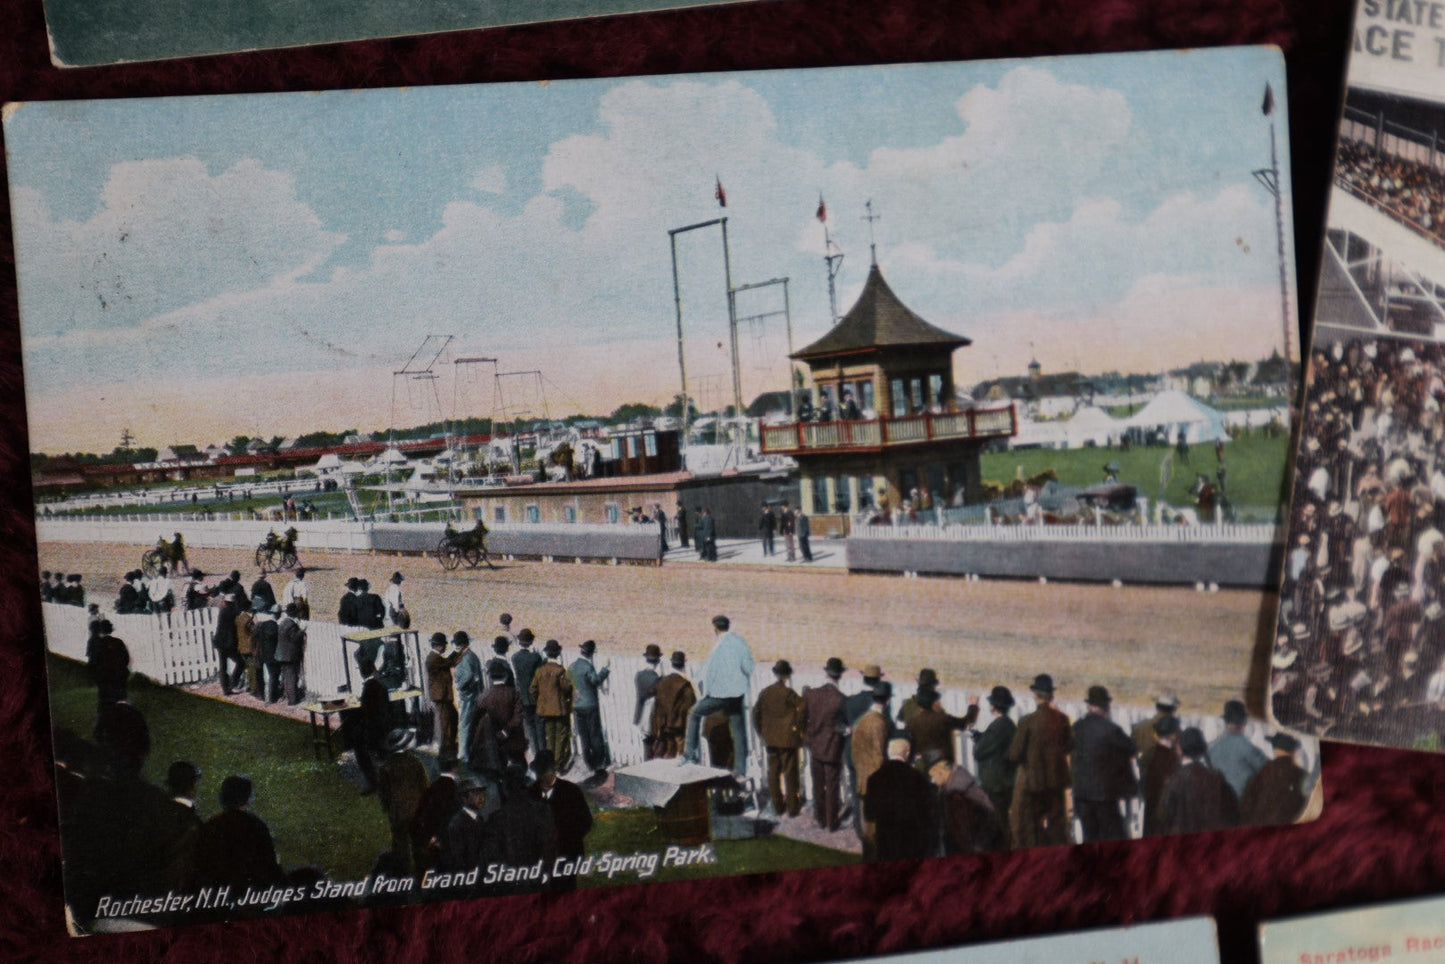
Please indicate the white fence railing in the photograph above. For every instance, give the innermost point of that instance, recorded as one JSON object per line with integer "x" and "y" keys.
{"x": 1220, "y": 532}
{"x": 337, "y": 534}
{"x": 176, "y": 649}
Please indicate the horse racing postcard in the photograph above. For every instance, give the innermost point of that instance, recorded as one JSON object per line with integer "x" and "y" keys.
{"x": 1409, "y": 930}
{"x": 1192, "y": 940}
{"x": 1360, "y": 645}
{"x": 85, "y": 33}
{"x": 478, "y": 490}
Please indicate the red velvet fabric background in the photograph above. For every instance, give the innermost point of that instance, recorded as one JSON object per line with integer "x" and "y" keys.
{"x": 1382, "y": 835}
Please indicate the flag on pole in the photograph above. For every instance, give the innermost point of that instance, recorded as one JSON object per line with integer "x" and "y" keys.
{"x": 822, "y": 210}
{"x": 1268, "y": 106}
{"x": 720, "y": 194}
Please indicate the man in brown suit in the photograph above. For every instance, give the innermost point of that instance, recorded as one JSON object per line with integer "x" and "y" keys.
{"x": 870, "y": 750}
{"x": 778, "y": 718}
{"x": 1040, "y": 749}
{"x": 246, "y": 646}
{"x": 824, "y": 727}
{"x": 930, "y": 726}
{"x": 673, "y": 699}
{"x": 442, "y": 694}
{"x": 552, "y": 695}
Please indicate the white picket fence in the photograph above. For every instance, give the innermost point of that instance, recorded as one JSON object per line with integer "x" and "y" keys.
{"x": 1221, "y": 532}
{"x": 176, "y": 649}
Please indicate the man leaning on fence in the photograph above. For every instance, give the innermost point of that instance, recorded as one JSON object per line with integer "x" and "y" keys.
{"x": 233, "y": 667}
{"x": 724, "y": 686}
{"x": 440, "y": 691}
{"x": 552, "y": 697}
{"x": 290, "y": 653}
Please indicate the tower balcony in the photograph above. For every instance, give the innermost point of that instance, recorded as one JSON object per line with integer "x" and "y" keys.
{"x": 880, "y": 434}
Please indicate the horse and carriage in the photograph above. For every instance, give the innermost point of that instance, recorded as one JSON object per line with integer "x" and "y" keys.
{"x": 168, "y": 555}
{"x": 464, "y": 546}
{"x": 278, "y": 553}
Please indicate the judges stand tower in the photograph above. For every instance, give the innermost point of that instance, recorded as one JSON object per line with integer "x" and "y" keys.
{"x": 908, "y": 432}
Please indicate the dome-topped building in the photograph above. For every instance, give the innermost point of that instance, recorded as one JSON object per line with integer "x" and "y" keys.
{"x": 886, "y": 425}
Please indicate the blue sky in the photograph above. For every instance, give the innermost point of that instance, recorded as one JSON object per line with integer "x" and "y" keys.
{"x": 1081, "y": 210}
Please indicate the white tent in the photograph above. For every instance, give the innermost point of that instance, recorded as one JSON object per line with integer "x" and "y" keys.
{"x": 1091, "y": 424}
{"x": 1174, "y": 410}
{"x": 390, "y": 457}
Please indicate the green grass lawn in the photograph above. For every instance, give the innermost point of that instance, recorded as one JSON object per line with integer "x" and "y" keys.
{"x": 295, "y": 794}
{"x": 318, "y": 817}
{"x": 1255, "y": 479}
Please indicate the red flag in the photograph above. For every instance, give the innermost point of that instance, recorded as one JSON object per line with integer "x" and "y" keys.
{"x": 1268, "y": 106}
{"x": 822, "y": 210}
{"x": 721, "y": 195}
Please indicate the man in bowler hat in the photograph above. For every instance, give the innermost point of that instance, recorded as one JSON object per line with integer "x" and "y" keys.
{"x": 1040, "y": 750}
{"x": 1103, "y": 770}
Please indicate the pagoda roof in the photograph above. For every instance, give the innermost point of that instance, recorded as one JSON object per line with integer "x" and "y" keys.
{"x": 879, "y": 320}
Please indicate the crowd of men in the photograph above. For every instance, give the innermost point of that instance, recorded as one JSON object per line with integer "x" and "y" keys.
{"x": 900, "y": 778}
{"x": 792, "y": 524}
{"x": 57, "y": 587}
{"x": 1361, "y": 643}
{"x": 1409, "y": 190}
{"x": 504, "y": 726}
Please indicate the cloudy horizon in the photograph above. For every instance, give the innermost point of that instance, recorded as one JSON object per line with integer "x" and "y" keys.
{"x": 198, "y": 268}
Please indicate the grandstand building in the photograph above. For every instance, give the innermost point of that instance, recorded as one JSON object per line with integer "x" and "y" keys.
{"x": 1384, "y": 262}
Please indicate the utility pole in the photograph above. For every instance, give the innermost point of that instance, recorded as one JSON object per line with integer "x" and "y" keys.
{"x": 788, "y": 319}
{"x": 732, "y": 314}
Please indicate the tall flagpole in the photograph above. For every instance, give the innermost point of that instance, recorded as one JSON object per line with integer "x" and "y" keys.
{"x": 833, "y": 258}
{"x": 1269, "y": 177}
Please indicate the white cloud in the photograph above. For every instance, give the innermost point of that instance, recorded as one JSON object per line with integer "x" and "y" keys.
{"x": 166, "y": 233}
{"x": 491, "y": 180}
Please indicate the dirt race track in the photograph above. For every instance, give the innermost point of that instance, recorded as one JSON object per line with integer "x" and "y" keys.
{"x": 1136, "y": 640}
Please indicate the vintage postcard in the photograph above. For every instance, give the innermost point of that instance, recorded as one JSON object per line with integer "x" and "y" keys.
{"x": 1411, "y": 930}
{"x": 690, "y": 439}
{"x": 1189, "y": 941}
{"x": 1360, "y": 648}
{"x": 85, "y": 33}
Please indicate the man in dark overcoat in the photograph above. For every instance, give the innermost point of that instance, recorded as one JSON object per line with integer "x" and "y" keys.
{"x": 1198, "y": 798}
{"x": 571, "y": 816}
{"x": 824, "y": 726}
{"x": 901, "y": 803}
{"x": 990, "y": 752}
{"x": 1275, "y": 795}
{"x": 1103, "y": 770}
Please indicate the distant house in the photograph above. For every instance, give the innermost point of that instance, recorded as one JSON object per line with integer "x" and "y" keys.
{"x": 180, "y": 453}
{"x": 1039, "y": 395}
{"x": 1201, "y": 379}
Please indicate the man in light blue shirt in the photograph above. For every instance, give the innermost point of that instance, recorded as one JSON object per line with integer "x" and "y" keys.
{"x": 1234, "y": 755}
{"x": 725, "y": 686}
{"x": 468, "y": 679}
